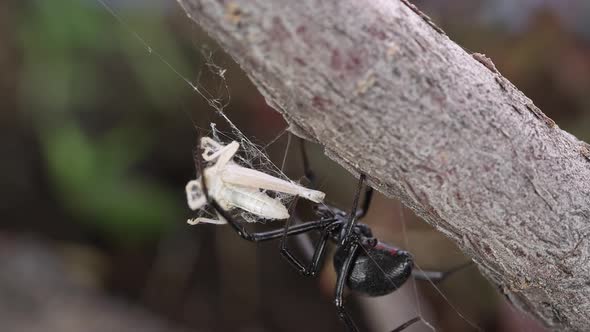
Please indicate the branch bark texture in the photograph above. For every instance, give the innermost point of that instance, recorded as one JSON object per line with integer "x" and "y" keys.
{"x": 387, "y": 93}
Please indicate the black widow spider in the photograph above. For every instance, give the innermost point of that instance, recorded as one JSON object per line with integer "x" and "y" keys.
{"x": 383, "y": 271}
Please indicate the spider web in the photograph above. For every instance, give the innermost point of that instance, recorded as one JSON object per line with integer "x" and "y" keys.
{"x": 252, "y": 155}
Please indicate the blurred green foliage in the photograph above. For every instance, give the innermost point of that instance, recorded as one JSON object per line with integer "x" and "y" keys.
{"x": 68, "y": 47}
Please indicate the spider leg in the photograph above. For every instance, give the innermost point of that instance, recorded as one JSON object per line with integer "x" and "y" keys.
{"x": 343, "y": 275}
{"x": 348, "y": 227}
{"x": 406, "y": 324}
{"x": 309, "y": 174}
{"x": 360, "y": 214}
{"x": 318, "y": 255}
{"x": 438, "y": 276}
{"x": 295, "y": 230}
{"x": 269, "y": 235}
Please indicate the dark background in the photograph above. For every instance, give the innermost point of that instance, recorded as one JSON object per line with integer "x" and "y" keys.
{"x": 96, "y": 142}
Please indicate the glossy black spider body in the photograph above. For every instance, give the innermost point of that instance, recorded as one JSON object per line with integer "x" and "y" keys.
{"x": 383, "y": 271}
{"x": 363, "y": 263}
{"x": 386, "y": 270}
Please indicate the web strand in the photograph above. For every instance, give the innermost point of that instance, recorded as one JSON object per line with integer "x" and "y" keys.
{"x": 438, "y": 290}
{"x": 457, "y": 311}
{"x": 215, "y": 103}
{"x": 402, "y": 218}
{"x": 368, "y": 253}
{"x": 200, "y": 90}
{"x": 406, "y": 244}
{"x": 274, "y": 140}
{"x": 246, "y": 144}
{"x": 286, "y": 152}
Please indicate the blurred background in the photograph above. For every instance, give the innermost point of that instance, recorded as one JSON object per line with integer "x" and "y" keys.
{"x": 97, "y": 138}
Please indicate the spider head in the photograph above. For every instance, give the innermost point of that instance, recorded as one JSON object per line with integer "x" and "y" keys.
{"x": 365, "y": 235}
{"x": 195, "y": 195}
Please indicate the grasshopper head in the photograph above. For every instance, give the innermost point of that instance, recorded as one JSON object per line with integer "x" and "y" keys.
{"x": 194, "y": 194}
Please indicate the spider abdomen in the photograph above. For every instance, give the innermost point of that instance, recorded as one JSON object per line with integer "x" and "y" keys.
{"x": 385, "y": 270}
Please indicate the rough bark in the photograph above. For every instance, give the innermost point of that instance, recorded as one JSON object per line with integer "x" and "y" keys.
{"x": 387, "y": 93}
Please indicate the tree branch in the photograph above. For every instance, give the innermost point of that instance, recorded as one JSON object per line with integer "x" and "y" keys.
{"x": 389, "y": 94}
